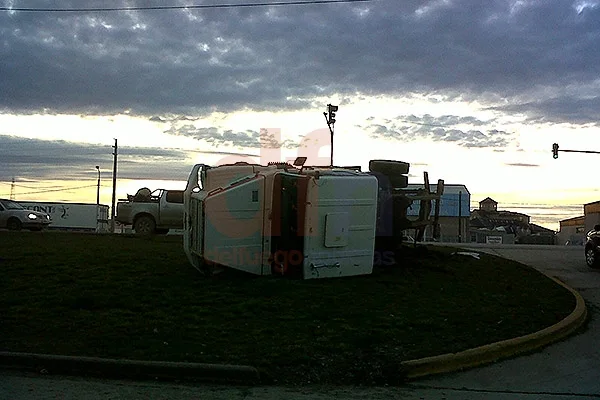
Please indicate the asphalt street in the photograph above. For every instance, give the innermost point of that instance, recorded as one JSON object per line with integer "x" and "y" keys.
{"x": 566, "y": 370}
{"x": 571, "y": 367}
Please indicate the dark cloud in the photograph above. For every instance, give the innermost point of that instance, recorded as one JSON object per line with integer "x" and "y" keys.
{"x": 442, "y": 121}
{"x": 438, "y": 129}
{"x": 33, "y": 159}
{"x": 249, "y": 139}
{"x": 273, "y": 58}
{"x": 522, "y": 165}
{"x": 557, "y": 110}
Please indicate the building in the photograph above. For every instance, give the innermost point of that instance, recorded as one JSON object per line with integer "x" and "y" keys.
{"x": 591, "y": 213}
{"x": 538, "y": 235}
{"x": 490, "y": 225}
{"x": 493, "y": 217}
{"x": 454, "y": 214}
{"x": 488, "y": 204}
{"x": 572, "y": 231}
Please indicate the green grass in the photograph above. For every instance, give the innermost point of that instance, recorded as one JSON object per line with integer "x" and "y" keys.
{"x": 121, "y": 296}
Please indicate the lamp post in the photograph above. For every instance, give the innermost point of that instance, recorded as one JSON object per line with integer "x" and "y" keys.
{"x": 98, "y": 190}
{"x": 330, "y": 119}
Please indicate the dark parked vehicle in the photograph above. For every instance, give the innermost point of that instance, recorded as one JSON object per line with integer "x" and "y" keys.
{"x": 14, "y": 217}
{"x": 592, "y": 247}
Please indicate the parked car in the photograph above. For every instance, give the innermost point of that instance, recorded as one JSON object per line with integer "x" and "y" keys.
{"x": 15, "y": 217}
{"x": 592, "y": 247}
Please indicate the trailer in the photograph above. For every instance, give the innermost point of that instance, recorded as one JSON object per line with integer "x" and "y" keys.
{"x": 73, "y": 216}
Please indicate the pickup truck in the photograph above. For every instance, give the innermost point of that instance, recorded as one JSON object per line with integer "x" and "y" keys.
{"x": 151, "y": 212}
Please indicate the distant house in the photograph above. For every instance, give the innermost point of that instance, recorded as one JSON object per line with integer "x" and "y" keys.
{"x": 489, "y": 225}
{"x": 488, "y": 204}
{"x": 488, "y": 215}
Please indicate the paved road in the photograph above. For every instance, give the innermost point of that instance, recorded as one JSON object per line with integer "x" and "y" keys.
{"x": 567, "y": 370}
{"x": 570, "y": 367}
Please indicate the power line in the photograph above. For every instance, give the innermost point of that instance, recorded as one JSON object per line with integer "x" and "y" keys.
{"x": 43, "y": 188}
{"x": 39, "y": 188}
{"x": 55, "y": 190}
{"x": 203, "y": 6}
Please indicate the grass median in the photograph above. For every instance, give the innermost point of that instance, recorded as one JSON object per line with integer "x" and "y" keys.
{"x": 121, "y": 296}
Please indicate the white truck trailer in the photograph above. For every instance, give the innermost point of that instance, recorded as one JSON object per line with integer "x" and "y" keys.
{"x": 306, "y": 222}
{"x": 72, "y": 216}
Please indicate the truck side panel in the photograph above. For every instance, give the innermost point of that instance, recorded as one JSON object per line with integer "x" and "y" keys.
{"x": 233, "y": 221}
{"x": 339, "y": 237}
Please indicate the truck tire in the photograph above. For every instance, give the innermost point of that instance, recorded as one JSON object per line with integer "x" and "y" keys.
{"x": 389, "y": 167}
{"x": 144, "y": 225}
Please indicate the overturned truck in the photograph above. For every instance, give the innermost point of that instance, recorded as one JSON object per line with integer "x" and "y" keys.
{"x": 294, "y": 220}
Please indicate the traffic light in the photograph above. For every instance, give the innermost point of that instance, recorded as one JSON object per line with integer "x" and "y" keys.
{"x": 555, "y": 150}
{"x": 331, "y": 110}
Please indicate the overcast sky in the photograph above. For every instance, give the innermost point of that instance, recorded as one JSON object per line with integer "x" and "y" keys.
{"x": 484, "y": 74}
{"x": 539, "y": 57}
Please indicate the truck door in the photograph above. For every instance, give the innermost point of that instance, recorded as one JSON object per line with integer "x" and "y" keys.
{"x": 171, "y": 209}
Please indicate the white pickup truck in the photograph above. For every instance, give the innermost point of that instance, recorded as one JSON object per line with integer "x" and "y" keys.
{"x": 151, "y": 212}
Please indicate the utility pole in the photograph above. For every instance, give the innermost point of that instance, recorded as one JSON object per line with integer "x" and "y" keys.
{"x": 98, "y": 189}
{"x": 12, "y": 189}
{"x": 112, "y": 210}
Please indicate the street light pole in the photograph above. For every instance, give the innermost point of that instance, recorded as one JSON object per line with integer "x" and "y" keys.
{"x": 330, "y": 119}
{"x": 112, "y": 210}
{"x": 98, "y": 190}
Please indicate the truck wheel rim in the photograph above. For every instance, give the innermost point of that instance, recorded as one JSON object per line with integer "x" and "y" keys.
{"x": 590, "y": 257}
{"x": 143, "y": 227}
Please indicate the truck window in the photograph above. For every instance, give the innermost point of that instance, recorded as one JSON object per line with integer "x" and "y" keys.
{"x": 175, "y": 196}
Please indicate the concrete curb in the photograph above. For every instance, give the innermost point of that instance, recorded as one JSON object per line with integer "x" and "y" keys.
{"x": 490, "y": 353}
{"x": 130, "y": 369}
